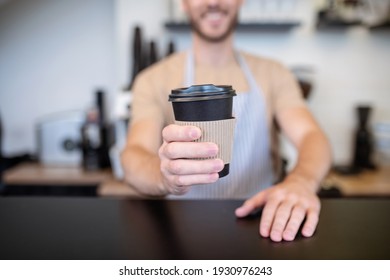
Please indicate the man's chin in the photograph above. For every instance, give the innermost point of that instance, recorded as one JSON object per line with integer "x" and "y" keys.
{"x": 213, "y": 38}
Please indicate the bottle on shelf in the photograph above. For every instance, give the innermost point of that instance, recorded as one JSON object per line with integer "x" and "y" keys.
{"x": 104, "y": 131}
{"x": 1, "y": 151}
{"x": 96, "y": 136}
{"x": 171, "y": 48}
{"x": 137, "y": 62}
{"x": 1, "y": 138}
{"x": 91, "y": 142}
{"x": 363, "y": 147}
{"x": 153, "y": 57}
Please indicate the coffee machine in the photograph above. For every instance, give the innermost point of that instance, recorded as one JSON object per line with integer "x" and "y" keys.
{"x": 362, "y": 144}
{"x": 363, "y": 140}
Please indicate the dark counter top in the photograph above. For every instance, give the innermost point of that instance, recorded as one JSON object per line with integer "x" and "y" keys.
{"x": 98, "y": 228}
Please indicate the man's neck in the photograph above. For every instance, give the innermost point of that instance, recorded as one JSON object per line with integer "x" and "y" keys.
{"x": 213, "y": 54}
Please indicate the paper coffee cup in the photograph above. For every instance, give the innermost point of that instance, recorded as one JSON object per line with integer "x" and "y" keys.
{"x": 208, "y": 107}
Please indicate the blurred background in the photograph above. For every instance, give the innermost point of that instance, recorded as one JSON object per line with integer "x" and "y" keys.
{"x": 66, "y": 69}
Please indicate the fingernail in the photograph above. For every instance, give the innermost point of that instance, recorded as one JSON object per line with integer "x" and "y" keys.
{"x": 288, "y": 236}
{"x": 239, "y": 212}
{"x": 218, "y": 166}
{"x": 307, "y": 232}
{"x": 276, "y": 236}
{"x": 214, "y": 177}
{"x": 264, "y": 233}
{"x": 194, "y": 133}
{"x": 213, "y": 150}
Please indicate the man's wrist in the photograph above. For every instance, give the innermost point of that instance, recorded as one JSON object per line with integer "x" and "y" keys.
{"x": 303, "y": 180}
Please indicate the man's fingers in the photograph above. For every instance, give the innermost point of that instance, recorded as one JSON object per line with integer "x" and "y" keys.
{"x": 189, "y": 180}
{"x": 251, "y": 204}
{"x": 297, "y": 216}
{"x": 281, "y": 218}
{"x": 311, "y": 223}
{"x": 180, "y": 150}
{"x": 267, "y": 217}
{"x": 178, "y": 133}
{"x": 192, "y": 167}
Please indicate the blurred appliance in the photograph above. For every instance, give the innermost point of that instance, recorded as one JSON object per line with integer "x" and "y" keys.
{"x": 96, "y": 136}
{"x": 362, "y": 146}
{"x": 363, "y": 140}
{"x": 59, "y": 138}
{"x": 121, "y": 121}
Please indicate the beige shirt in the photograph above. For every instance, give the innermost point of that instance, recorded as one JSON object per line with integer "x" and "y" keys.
{"x": 153, "y": 86}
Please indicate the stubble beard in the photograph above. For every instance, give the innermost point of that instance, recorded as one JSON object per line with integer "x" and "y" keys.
{"x": 211, "y": 39}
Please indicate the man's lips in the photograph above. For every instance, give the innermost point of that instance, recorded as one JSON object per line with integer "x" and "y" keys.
{"x": 214, "y": 16}
{"x": 214, "y": 13}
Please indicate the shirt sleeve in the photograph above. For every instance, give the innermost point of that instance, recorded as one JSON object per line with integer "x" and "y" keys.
{"x": 286, "y": 92}
{"x": 145, "y": 102}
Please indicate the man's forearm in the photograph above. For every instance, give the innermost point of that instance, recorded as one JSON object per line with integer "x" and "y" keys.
{"x": 314, "y": 159}
{"x": 142, "y": 171}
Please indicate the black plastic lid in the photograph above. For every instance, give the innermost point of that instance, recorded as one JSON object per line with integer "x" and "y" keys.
{"x": 201, "y": 92}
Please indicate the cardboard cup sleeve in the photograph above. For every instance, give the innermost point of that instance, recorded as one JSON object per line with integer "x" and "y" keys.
{"x": 220, "y": 132}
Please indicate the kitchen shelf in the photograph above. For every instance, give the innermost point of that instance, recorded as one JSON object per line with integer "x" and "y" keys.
{"x": 382, "y": 27}
{"x": 340, "y": 25}
{"x": 247, "y": 26}
{"x": 336, "y": 25}
{"x": 324, "y": 22}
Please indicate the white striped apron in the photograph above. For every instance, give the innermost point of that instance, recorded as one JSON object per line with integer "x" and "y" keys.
{"x": 251, "y": 168}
